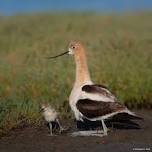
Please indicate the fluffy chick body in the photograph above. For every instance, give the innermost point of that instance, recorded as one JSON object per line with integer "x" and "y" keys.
{"x": 49, "y": 114}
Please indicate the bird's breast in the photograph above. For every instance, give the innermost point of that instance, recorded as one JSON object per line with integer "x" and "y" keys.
{"x": 75, "y": 94}
{"x": 49, "y": 116}
{"x": 74, "y": 97}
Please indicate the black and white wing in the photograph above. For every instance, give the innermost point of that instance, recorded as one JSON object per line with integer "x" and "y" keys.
{"x": 98, "y": 93}
{"x": 93, "y": 109}
{"x": 96, "y": 101}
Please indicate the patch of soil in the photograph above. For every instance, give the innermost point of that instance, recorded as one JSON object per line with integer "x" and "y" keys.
{"x": 31, "y": 139}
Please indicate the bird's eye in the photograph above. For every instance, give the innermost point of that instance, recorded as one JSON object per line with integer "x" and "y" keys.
{"x": 73, "y": 47}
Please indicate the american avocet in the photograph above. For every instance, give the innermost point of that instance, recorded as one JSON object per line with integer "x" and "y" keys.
{"x": 88, "y": 100}
{"x": 51, "y": 117}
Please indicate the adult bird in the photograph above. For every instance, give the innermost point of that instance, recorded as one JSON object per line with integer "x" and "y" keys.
{"x": 90, "y": 101}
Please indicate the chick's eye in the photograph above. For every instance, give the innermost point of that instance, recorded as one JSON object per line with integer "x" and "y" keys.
{"x": 73, "y": 47}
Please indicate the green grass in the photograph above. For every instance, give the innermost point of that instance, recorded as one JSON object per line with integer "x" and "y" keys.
{"x": 119, "y": 52}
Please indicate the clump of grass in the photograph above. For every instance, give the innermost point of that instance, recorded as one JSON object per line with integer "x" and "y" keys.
{"x": 119, "y": 51}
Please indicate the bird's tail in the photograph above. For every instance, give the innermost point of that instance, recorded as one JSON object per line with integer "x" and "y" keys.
{"x": 127, "y": 115}
{"x": 124, "y": 120}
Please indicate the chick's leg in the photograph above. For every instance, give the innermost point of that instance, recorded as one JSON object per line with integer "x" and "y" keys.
{"x": 60, "y": 127}
{"x": 50, "y": 128}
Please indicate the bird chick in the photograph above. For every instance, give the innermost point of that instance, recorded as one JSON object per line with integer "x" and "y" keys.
{"x": 51, "y": 117}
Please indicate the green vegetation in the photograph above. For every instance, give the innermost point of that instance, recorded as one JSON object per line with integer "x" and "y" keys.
{"x": 119, "y": 52}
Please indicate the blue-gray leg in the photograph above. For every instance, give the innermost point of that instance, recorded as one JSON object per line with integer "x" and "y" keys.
{"x": 104, "y": 127}
{"x": 60, "y": 127}
{"x": 50, "y": 128}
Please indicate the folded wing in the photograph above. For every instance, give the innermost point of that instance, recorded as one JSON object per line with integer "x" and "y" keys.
{"x": 93, "y": 109}
{"x": 98, "y": 93}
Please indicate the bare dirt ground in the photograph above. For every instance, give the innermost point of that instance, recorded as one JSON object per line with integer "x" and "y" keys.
{"x": 31, "y": 139}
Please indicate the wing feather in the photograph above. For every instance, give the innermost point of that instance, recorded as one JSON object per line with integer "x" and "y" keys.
{"x": 98, "y": 93}
{"x": 92, "y": 109}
